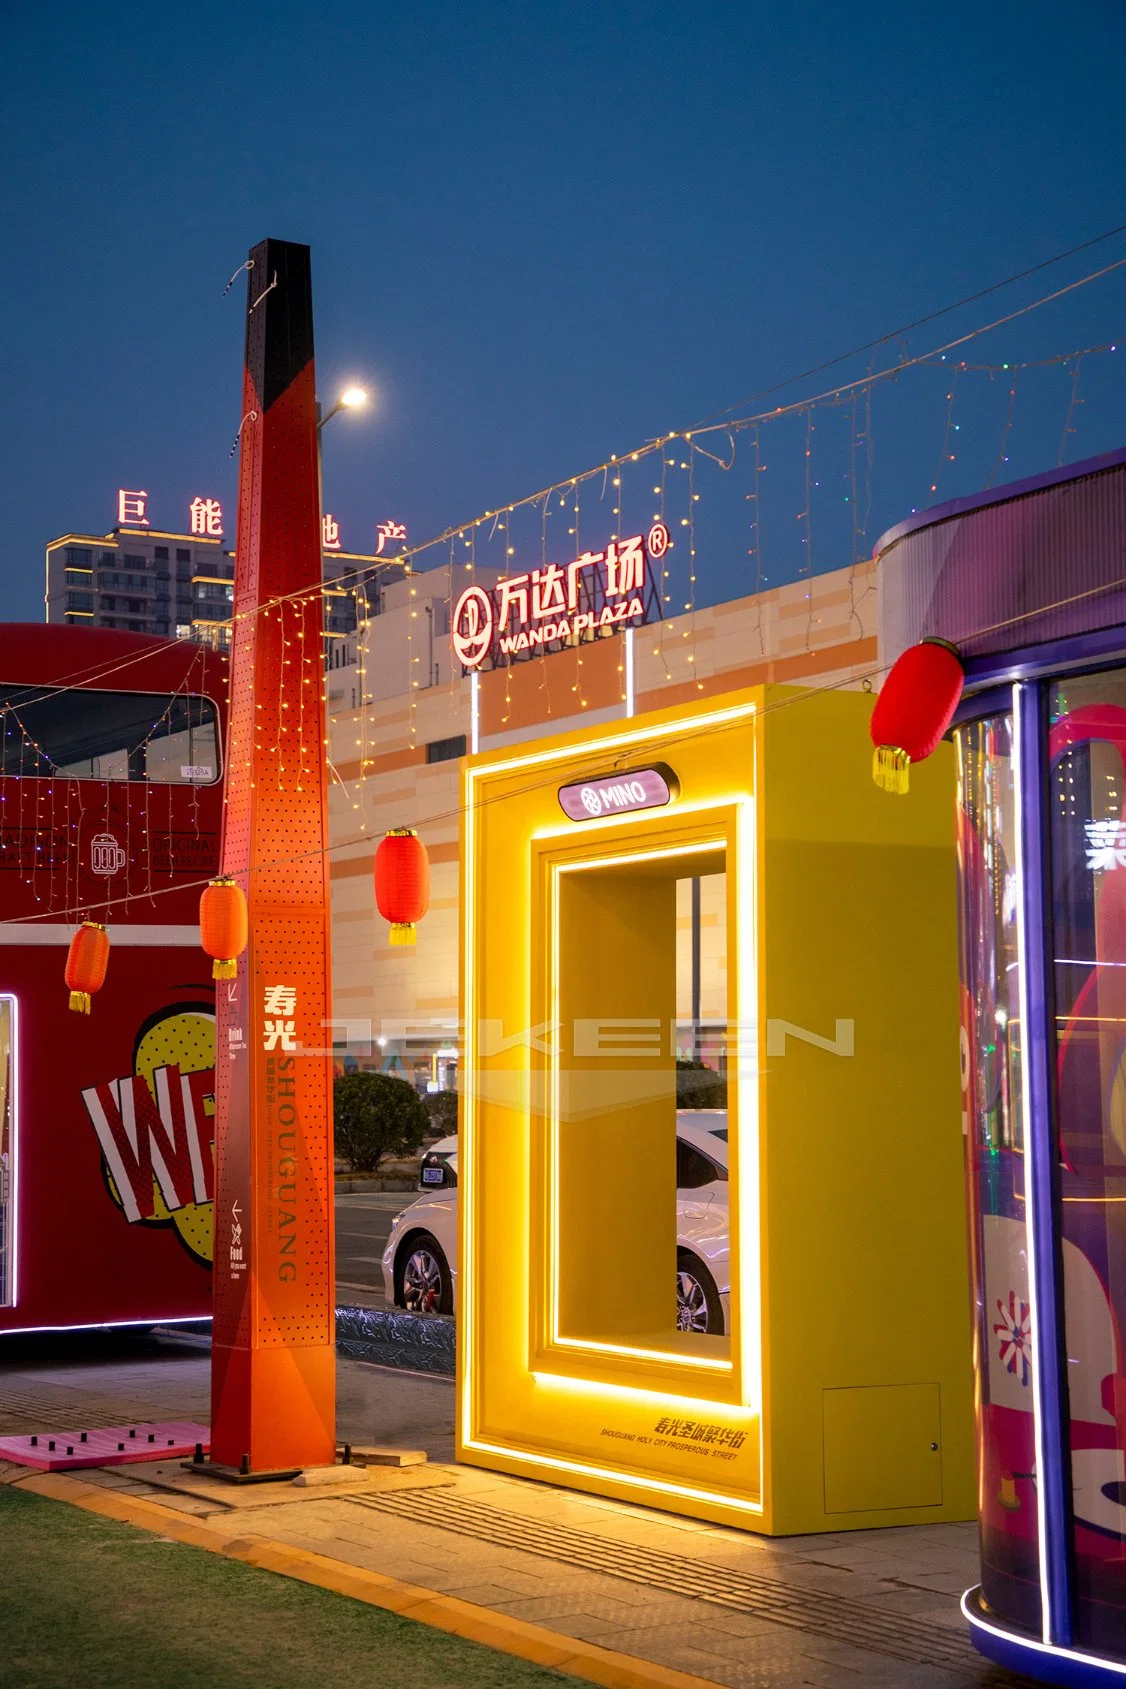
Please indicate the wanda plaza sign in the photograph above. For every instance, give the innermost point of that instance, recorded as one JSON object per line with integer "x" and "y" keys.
{"x": 558, "y": 605}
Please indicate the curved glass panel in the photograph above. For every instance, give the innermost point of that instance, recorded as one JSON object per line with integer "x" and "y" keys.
{"x": 1087, "y": 787}
{"x": 988, "y": 958}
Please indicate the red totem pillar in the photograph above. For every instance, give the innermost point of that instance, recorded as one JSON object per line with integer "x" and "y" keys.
{"x": 273, "y": 1367}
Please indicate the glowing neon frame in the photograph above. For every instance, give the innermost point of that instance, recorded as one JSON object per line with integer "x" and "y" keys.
{"x": 15, "y": 1113}
{"x": 106, "y": 1325}
{"x": 1030, "y": 1173}
{"x": 750, "y": 1321}
{"x": 555, "y": 1337}
{"x": 1015, "y": 1644}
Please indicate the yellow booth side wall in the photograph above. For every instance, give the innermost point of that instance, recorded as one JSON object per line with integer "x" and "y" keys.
{"x": 848, "y": 1351}
{"x": 867, "y": 1337}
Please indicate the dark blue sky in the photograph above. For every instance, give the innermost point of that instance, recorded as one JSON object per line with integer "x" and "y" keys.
{"x": 543, "y": 233}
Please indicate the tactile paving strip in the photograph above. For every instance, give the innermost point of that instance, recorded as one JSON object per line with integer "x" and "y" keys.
{"x": 839, "y": 1618}
{"x": 27, "y": 1410}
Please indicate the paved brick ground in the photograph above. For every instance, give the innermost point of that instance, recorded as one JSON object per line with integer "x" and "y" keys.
{"x": 855, "y": 1608}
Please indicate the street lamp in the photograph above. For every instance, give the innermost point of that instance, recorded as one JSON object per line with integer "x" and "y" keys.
{"x": 352, "y": 398}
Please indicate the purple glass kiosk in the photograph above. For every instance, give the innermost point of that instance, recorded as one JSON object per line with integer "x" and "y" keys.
{"x": 1029, "y": 583}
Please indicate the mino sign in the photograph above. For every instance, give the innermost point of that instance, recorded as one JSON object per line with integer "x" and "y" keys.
{"x": 558, "y": 605}
{"x": 619, "y": 793}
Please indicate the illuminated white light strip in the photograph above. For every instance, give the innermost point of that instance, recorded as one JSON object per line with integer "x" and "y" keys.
{"x": 1052, "y": 1649}
{"x": 14, "y": 1116}
{"x": 1029, "y": 1169}
{"x": 638, "y": 1392}
{"x": 593, "y": 1345}
{"x": 610, "y": 1474}
{"x": 636, "y": 736}
{"x": 553, "y": 1118}
{"x": 750, "y": 1237}
{"x": 467, "y": 1227}
{"x": 61, "y": 932}
{"x": 474, "y": 712}
{"x": 748, "y": 1151}
{"x": 629, "y": 673}
{"x": 658, "y": 855}
{"x": 107, "y": 1325}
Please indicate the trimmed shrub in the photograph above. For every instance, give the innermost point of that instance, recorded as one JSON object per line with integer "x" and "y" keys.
{"x": 442, "y": 1108}
{"x": 376, "y": 1115}
{"x": 699, "y": 1086}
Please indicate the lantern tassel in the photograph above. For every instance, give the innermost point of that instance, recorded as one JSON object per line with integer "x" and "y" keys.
{"x": 403, "y": 932}
{"x": 225, "y": 969}
{"x": 891, "y": 769}
{"x": 80, "y": 1002}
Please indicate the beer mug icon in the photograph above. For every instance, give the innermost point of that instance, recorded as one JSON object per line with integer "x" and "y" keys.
{"x": 106, "y": 855}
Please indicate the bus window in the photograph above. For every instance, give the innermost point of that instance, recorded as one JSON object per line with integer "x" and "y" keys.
{"x": 162, "y": 738}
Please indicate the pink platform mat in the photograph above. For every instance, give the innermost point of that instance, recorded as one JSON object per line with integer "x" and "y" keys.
{"x": 63, "y": 1451}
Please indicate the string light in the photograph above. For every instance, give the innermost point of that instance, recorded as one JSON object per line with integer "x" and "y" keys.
{"x": 45, "y": 830}
{"x": 1002, "y": 451}
{"x": 537, "y": 783}
{"x": 950, "y": 427}
{"x": 807, "y": 516}
{"x": 864, "y": 385}
{"x": 1073, "y": 401}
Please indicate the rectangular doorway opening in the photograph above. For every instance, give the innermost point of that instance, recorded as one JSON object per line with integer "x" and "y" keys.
{"x": 642, "y": 1211}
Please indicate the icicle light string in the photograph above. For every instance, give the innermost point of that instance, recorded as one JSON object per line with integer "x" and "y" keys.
{"x": 921, "y": 322}
{"x": 458, "y": 810}
{"x": 755, "y": 550}
{"x": 1073, "y": 401}
{"x": 737, "y": 424}
{"x": 1002, "y": 452}
{"x": 863, "y": 385}
{"x": 949, "y": 427}
{"x": 731, "y": 427}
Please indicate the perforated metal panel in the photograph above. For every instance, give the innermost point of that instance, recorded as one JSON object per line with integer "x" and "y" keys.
{"x": 273, "y": 1389}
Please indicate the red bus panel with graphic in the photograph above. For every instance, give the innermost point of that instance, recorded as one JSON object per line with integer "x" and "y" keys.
{"x": 110, "y": 808}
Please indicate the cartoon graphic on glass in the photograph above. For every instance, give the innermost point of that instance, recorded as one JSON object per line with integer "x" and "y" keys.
{"x": 1087, "y": 752}
{"x": 992, "y": 1122}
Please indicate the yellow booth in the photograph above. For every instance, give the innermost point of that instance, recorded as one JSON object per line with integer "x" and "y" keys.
{"x": 752, "y": 1307}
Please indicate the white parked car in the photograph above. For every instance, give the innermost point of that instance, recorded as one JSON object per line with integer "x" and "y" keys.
{"x": 420, "y": 1260}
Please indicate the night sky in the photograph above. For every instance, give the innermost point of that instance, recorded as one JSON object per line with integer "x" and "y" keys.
{"x": 545, "y": 233}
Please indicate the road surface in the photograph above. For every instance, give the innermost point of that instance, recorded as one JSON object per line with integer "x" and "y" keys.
{"x": 363, "y": 1223}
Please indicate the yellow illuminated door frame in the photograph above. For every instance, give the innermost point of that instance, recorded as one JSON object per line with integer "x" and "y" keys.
{"x": 747, "y": 1375}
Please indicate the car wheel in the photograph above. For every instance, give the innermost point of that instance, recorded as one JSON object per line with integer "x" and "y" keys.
{"x": 424, "y": 1277}
{"x": 698, "y": 1307}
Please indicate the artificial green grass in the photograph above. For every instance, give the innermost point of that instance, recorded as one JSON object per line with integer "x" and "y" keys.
{"x": 87, "y": 1601}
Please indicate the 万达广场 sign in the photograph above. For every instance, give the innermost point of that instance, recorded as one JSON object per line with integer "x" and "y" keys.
{"x": 549, "y": 608}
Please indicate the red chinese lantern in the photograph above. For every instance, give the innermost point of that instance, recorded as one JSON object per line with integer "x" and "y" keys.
{"x": 86, "y": 964}
{"x": 402, "y": 882}
{"x": 223, "y": 926}
{"x": 915, "y": 707}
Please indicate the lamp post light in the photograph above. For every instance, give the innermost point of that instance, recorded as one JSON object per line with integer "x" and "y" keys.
{"x": 351, "y": 399}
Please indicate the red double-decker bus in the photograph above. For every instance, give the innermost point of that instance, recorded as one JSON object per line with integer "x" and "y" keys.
{"x": 111, "y": 770}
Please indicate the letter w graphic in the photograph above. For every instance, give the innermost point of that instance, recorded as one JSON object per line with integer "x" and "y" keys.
{"x": 144, "y": 1141}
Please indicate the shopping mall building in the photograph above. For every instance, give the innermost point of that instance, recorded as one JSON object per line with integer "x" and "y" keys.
{"x": 401, "y": 714}
{"x": 402, "y": 711}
